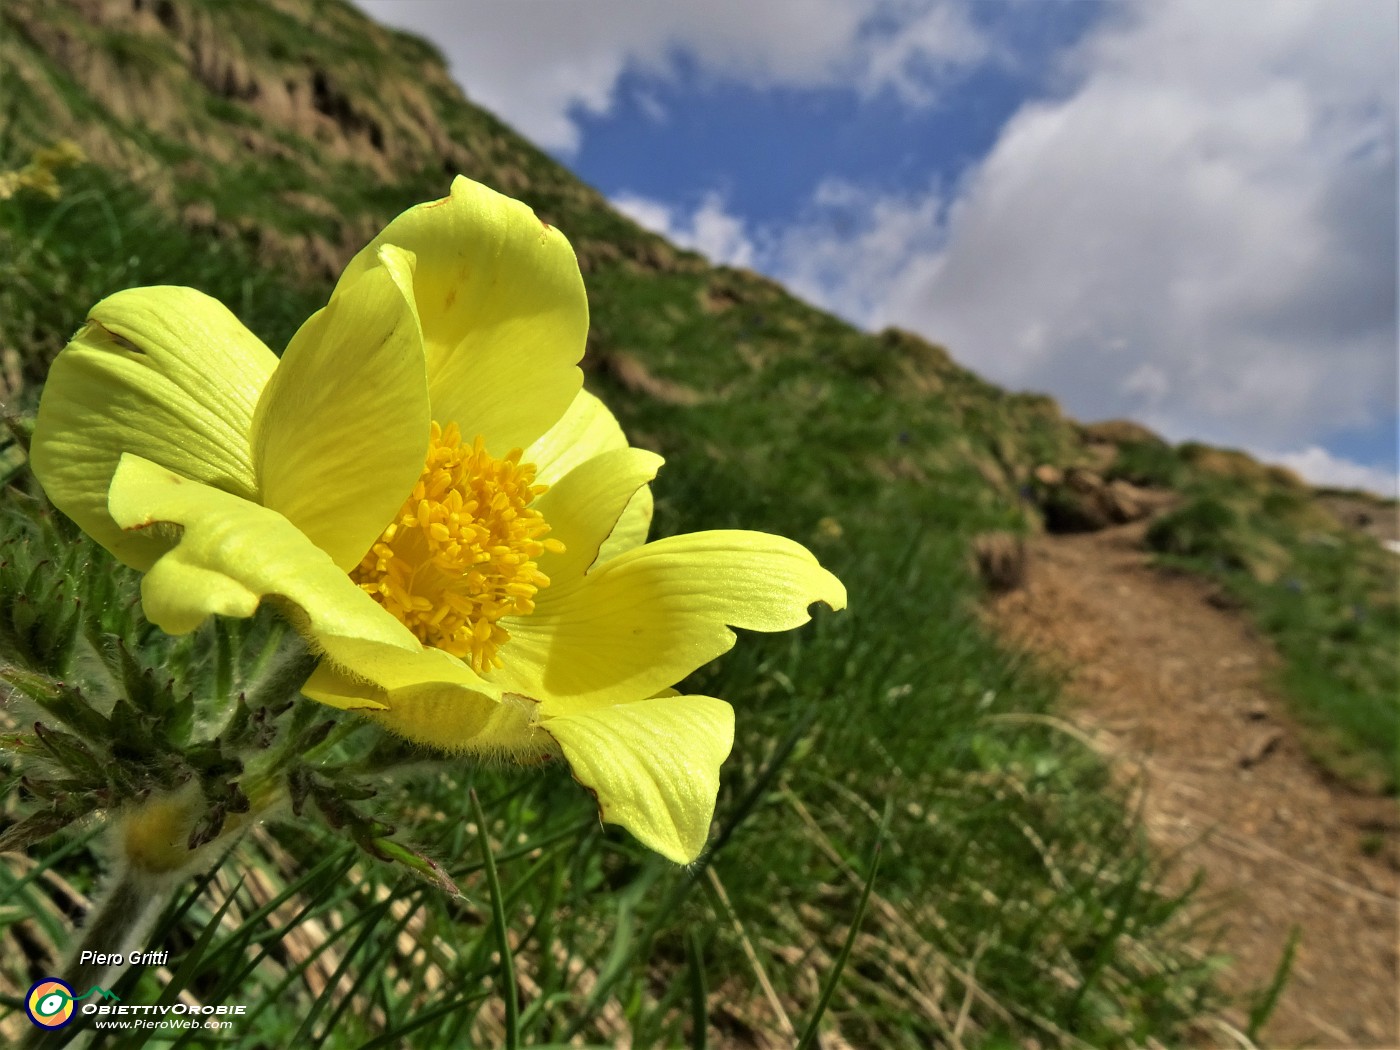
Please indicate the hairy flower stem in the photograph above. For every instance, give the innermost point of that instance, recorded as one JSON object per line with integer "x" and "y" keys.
{"x": 289, "y": 671}
{"x": 116, "y": 925}
{"x": 151, "y": 839}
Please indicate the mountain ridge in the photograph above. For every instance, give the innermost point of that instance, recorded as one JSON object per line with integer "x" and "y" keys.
{"x": 294, "y": 129}
{"x": 140, "y": 84}
{"x": 248, "y": 149}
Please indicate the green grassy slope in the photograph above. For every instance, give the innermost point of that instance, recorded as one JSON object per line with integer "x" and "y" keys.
{"x": 295, "y": 129}
{"x": 246, "y": 150}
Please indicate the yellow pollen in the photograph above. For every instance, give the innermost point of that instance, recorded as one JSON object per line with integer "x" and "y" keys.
{"x": 460, "y": 555}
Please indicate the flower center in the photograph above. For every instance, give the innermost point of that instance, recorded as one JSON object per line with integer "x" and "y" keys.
{"x": 461, "y": 553}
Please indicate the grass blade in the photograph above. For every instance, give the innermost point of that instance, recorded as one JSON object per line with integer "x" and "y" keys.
{"x": 498, "y": 919}
{"x": 1263, "y": 1008}
{"x": 809, "y": 1036}
{"x": 699, "y": 994}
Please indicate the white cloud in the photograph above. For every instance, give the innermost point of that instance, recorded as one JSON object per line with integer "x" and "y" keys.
{"x": 652, "y": 214}
{"x": 912, "y": 57}
{"x": 1199, "y": 232}
{"x": 853, "y": 247}
{"x": 535, "y": 62}
{"x": 1197, "y": 229}
{"x": 652, "y": 107}
{"x": 716, "y": 233}
{"x": 1317, "y": 465}
{"x": 710, "y": 229}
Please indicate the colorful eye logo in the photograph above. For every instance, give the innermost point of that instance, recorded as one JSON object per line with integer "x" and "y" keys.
{"x": 50, "y": 1003}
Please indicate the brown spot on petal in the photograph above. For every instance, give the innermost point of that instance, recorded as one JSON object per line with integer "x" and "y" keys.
{"x": 120, "y": 342}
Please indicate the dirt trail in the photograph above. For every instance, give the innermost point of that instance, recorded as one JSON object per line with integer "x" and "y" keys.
{"x": 1174, "y": 688}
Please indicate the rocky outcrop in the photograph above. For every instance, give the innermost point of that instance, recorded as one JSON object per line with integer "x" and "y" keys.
{"x": 1000, "y": 557}
{"x": 1079, "y": 500}
{"x": 147, "y": 62}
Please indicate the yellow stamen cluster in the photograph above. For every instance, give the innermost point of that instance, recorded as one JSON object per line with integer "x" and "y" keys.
{"x": 461, "y": 553}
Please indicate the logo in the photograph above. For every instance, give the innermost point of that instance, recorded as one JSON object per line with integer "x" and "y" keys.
{"x": 49, "y": 1003}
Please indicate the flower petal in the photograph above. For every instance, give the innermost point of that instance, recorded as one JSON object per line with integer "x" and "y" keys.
{"x": 647, "y": 618}
{"x": 232, "y": 554}
{"x": 631, "y": 528}
{"x": 585, "y": 430}
{"x": 444, "y": 714}
{"x": 653, "y": 765}
{"x": 583, "y": 508}
{"x": 341, "y": 432}
{"x": 165, "y": 373}
{"x": 503, "y": 310}
{"x": 464, "y": 722}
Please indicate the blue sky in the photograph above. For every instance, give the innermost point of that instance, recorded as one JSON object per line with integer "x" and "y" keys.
{"x": 1179, "y": 212}
{"x": 766, "y": 149}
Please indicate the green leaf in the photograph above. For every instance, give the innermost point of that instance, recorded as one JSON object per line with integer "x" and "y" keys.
{"x": 425, "y": 867}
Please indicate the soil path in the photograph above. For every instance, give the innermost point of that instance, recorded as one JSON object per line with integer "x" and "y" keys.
{"x": 1174, "y": 689}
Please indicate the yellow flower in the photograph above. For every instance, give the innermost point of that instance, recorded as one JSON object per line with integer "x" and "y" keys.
{"x": 423, "y": 488}
{"x": 39, "y": 174}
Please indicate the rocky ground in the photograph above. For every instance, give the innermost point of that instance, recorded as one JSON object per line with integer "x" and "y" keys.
{"x": 1173, "y": 689}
